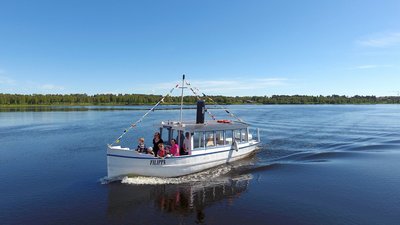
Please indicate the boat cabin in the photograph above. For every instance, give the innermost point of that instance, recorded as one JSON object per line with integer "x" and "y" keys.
{"x": 206, "y": 135}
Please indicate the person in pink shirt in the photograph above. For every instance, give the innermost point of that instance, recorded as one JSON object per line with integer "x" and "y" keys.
{"x": 174, "y": 148}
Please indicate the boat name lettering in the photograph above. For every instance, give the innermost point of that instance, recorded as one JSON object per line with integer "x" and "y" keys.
{"x": 157, "y": 162}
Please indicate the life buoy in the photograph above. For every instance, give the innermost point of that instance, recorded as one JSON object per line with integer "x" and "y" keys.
{"x": 223, "y": 121}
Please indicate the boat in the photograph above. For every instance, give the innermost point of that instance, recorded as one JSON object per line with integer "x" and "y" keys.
{"x": 213, "y": 143}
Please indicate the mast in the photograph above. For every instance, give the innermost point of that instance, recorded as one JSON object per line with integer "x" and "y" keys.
{"x": 183, "y": 86}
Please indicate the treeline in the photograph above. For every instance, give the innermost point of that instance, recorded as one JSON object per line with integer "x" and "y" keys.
{"x": 78, "y": 99}
{"x": 142, "y": 99}
{"x": 331, "y": 99}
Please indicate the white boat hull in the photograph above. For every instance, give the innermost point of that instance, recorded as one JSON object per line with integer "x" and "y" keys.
{"x": 122, "y": 161}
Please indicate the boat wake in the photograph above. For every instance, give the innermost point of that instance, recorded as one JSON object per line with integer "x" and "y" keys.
{"x": 107, "y": 180}
{"x": 207, "y": 175}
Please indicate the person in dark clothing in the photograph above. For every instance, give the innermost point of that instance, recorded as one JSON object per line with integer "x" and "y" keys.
{"x": 156, "y": 140}
{"x": 180, "y": 137}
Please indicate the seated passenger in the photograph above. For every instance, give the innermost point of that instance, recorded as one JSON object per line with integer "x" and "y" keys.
{"x": 174, "y": 150}
{"x": 150, "y": 151}
{"x": 210, "y": 141}
{"x": 161, "y": 150}
{"x": 156, "y": 140}
{"x": 141, "y": 148}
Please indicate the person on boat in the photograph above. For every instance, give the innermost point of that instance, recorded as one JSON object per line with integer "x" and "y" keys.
{"x": 180, "y": 137}
{"x": 156, "y": 141}
{"x": 161, "y": 151}
{"x": 150, "y": 151}
{"x": 187, "y": 145}
{"x": 141, "y": 148}
{"x": 174, "y": 150}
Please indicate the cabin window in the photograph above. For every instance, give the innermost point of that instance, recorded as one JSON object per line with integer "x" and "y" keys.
{"x": 198, "y": 140}
{"x": 245, "y": 135}
{"x": 236, "y": 135}
{"x": 166, "y": 134}
{"x": 180, "y": 137}
{"x": 228, "y": 137}
{"x": 219, "y": 137}
{"x": 171, "y": 134}
{"x": 210, "y": 139}
{"x": 161, "y": 133}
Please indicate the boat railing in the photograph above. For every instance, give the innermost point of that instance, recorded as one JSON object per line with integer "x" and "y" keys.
{"x": 254, "y": 134}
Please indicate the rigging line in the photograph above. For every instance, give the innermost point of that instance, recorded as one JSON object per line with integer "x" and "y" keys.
{"x": 215, "y": 103}
{"x": 141, "y": 119}
{"x": 199, "y": 98}
{"x": 225, "y": 109}
{"x": 183, "y": 87}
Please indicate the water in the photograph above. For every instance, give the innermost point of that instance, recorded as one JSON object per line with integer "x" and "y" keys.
{"x": 318, "y": 164}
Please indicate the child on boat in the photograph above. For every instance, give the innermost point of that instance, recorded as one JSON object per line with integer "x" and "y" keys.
{"x": 156, "y": 141}
{"x": 161, "y": 151}
{"x": 150, "y": 151}
{"x": 141, "y": 148}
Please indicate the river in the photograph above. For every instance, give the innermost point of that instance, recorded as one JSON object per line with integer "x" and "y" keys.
{"x": 317, "y": 164}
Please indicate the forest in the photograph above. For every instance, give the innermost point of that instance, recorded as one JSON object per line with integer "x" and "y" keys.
{"x": 144, "y": 99}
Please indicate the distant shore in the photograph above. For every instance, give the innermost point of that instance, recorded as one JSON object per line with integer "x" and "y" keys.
{"x": 19, "y": 100}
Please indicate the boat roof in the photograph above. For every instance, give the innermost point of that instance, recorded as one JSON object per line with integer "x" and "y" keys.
{"x": 211, "y": 125}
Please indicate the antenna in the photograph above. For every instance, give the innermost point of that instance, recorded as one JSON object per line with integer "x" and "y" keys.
{"x": 183, "y": 86}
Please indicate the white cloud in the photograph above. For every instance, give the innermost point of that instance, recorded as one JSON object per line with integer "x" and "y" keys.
{"x": 371, "y": 66}
{"x": 233, "y": 86}
{"x": 41, "y": 88}
{"x": 6, "y": 80}
{"x": 51, "y": 87}
{"x": 381, "y": 40}
{"x": 272, "y": 81}
{"x": 236, "y": 84}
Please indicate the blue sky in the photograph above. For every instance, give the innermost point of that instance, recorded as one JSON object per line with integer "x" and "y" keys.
{"x": 224, "y": 47}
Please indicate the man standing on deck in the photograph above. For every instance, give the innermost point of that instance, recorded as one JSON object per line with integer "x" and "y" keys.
{"x": 187, "y": 144}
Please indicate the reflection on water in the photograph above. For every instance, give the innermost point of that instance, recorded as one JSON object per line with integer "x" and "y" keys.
{"x": 182, "y": 200}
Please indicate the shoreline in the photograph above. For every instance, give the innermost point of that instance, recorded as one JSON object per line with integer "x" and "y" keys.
{"x": 166, "y": 107}
{"x": 185, "y": 104}
{"x": 142, "y": 99}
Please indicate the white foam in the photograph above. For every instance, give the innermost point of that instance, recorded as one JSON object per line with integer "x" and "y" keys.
{"x": 197, "y": 177}
{"x": 106, "y": 180}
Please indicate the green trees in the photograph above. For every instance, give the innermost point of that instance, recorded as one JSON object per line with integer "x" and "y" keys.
{"x": 140, "y": 99}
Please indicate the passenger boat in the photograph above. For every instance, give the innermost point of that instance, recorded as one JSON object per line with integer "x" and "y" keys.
{"x": 213, "y": 143}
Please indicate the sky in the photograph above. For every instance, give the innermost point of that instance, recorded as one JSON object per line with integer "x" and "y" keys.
{"x": 233, "y": 48}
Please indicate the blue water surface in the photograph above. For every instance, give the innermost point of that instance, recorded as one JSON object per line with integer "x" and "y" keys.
{"x": 317, "y": 164}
